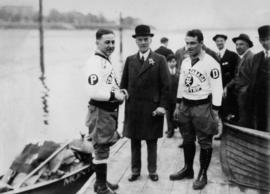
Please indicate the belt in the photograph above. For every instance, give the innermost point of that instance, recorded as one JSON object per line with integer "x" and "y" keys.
{"x": 196, "y": 102}
{"x": 105, "y": 105}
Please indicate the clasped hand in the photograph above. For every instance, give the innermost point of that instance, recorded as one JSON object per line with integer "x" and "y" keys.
{"x": 159, "y": 111}
{"x": 120, "y": 95}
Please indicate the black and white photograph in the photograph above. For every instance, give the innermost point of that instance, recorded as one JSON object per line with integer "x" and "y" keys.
{"x": 135, "y": 97}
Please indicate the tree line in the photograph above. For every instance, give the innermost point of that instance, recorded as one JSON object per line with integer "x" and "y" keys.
{"x": 26, "y": 15}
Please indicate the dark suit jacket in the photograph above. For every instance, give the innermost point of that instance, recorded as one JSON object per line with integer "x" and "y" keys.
{"x": 258, "y": 92}
{"x": 228, "y": 64}
{"x": 162, "y": 50}
{"x": 243, "y": 73}
{"x": 180, "y": 55}
{"x": 148, "y": 87}
{"x": 173, "y": 88}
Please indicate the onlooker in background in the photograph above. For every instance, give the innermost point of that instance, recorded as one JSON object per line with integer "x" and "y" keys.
{"x": 171, "y": 61}
{"x": 228, "y": 61}
{"x": 258, "y": 92}
{"x": 242, "y": 78}
{"x": 180, "y": 55}
{"x": 163, "y": 49}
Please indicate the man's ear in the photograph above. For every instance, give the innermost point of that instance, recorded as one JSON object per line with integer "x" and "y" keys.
{"x": 97, "y": 42}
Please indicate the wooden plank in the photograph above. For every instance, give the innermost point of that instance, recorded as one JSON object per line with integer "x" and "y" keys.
{"x": 248, "y": 148}
{"x": 215, "y": 188}
{"x": 185, "y": 187}
{"x": 252, "y": 132}
{"x": 170, "y": 160}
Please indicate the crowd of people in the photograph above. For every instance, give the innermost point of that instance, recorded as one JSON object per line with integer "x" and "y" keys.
{"x": 196, "y": 88}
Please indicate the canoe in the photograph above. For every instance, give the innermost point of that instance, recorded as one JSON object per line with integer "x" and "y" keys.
{"x": 245, "y": 156}
{"x": 68, "y": 184}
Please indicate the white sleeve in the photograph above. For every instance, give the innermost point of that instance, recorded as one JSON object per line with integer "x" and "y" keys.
{"x": 96, "y": 82}
{"x": 216, "y": 84}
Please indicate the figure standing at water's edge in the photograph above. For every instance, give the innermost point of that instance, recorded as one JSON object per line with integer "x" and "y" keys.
{"x": 146, "y": 78}
{"x": 103, "y": 107}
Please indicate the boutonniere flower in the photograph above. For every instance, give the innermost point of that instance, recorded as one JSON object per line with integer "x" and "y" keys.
{"x": 151, "y": 61}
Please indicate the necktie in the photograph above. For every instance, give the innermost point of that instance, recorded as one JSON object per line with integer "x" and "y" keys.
{"x": 142, "y": 59}
{"x": 266, "y": 55}
{"x": 219, "y": 55}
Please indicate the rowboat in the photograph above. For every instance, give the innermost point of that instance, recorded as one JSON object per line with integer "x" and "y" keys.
{"x": 68, "y": 184}
{"x": 245, "y": 156}
{"x": 73, "y": 176}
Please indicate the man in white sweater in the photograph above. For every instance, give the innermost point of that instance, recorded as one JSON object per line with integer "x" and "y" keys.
{"x": 198, "y": 100}
{"x": 105, "y": 97}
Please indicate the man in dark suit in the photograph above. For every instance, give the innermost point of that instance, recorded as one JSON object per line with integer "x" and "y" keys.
{"x": 258, "y": 92}
{"x": 228, "y": 61}
{"x": 163, "y": 50}
{"x": 146, "y": 79}
{"x": 242, "y": 78}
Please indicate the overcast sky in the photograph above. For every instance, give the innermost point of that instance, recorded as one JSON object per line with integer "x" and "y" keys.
{"x": 169, "y": 14}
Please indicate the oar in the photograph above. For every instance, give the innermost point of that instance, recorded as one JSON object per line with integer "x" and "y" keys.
{"x": 43, "y": 163}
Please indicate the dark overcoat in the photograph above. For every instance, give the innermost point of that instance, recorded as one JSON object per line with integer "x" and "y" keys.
{"x": 259, "y": 93}
{"x": 148, "y": 87}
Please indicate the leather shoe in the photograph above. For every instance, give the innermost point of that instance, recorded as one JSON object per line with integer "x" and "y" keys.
{"x": 182, "y": 174}
{"x": 110, "y": 185}
{"x": 133, "y": 177}
{"x": 153, "y": 177}
{"x": 200, "y": 183}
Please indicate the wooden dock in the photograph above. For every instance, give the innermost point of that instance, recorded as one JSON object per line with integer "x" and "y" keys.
{"x": 170, "y": 159}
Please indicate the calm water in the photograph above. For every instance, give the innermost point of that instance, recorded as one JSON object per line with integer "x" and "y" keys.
{"x": 33, "y": 109}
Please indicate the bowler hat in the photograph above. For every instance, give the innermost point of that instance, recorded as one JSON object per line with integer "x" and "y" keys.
{"x": 219, "y": 36}
{"x": 142, "y": 30}
{"x": 264, "y": 31}
{"x": 245, "y": 38}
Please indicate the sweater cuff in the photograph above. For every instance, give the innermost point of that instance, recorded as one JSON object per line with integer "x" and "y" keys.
{"x": 215, "y": 107}
{"x": 179, "y": 100}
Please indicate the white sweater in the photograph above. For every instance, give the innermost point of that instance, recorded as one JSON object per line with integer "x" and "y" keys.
{"x": 100, "y": 78}
{"x": 201, "y": 80}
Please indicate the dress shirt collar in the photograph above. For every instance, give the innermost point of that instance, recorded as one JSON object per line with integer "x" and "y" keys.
{"x": 241, "y": 56}
{"x": 221, "y": 52}
{"x": 145, "y": 55}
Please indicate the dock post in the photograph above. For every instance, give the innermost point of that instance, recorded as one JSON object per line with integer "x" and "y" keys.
{"x": 41, "y": 39}
{"x": 121, "y": 38}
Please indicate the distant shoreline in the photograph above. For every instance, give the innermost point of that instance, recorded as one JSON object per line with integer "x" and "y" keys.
{"x": 59, "y": 26}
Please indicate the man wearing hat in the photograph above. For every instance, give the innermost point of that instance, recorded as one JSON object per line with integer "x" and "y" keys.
{"x": 146, "y": 79}
{"x": 258, "y": 99}
{"x": 163, "y": 49}
{"x": 228, "y": 61}
{"x": 242, "y": 77}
